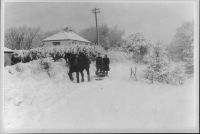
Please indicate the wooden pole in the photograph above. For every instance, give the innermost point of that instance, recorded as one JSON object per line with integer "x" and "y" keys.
{"x": 95, "y": 11}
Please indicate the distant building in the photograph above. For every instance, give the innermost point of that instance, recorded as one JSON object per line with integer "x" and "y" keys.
{"x": 7, "y": 56}
{"x": 65, "y": 37}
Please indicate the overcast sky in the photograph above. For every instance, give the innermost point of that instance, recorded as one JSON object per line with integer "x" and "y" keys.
{"x": 157, "y": 21}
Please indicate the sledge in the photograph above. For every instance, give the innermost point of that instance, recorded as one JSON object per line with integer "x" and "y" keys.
{"x": 100, "y": 76}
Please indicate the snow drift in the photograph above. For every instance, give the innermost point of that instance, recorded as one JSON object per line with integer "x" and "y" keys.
{"x": 37, "y": 99}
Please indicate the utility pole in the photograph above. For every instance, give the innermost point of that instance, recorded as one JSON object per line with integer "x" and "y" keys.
{"x": 95, "y": 11}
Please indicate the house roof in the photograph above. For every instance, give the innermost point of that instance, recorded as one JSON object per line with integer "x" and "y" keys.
{"x": 66, "y": 35}
{"x": 8, "y": 50}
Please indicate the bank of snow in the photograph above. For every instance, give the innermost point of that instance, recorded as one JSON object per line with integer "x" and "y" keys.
{"x": 33, "y": 100}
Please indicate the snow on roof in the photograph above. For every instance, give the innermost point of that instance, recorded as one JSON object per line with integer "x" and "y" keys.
{"x": 8, "y": 50}
{"x": 66, "y": 35}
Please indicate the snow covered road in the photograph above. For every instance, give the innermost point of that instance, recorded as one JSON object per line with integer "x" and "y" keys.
{"x": 117, "y": 102}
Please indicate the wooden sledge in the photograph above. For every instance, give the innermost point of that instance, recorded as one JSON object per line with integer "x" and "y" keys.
{"x": 100, "y": 76}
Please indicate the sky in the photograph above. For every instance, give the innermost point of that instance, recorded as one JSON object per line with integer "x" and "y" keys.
{"x": 158, "y": 21}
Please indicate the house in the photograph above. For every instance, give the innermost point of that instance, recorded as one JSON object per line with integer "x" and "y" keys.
{"x": 65, "y": 37}
{"x": 7, "y": 56}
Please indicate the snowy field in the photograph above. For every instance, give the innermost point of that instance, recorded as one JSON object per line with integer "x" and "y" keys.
{"x": 33, "y": 100}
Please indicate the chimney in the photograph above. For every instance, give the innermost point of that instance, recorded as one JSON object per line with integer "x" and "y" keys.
{"x": 68, "y": 29}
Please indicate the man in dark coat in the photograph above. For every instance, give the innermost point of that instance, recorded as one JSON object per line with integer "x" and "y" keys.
{"x": 99, "y": 64}
{"x": 106, "y": 62}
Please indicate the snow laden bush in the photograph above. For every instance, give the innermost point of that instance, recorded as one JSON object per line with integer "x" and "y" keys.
{"x": 19, "y": 68}
{"x": 44, "y": 52}
{"x": 177, "y": 75}
{"x": 159, "y": 69}
{"x": 46, "y": 65}
{"x": 138, "y": 46}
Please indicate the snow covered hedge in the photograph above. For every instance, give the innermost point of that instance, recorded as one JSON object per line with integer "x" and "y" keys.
{"x": 44, "y": 52}
{"x": 44, "y": 67}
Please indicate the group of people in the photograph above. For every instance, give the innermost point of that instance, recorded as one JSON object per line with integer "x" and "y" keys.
{"x": 102, "y": 64}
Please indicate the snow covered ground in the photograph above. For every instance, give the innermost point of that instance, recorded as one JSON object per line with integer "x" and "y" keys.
{"x": 33, "y": 100}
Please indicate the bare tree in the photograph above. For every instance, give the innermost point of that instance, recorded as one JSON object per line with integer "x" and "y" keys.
{"x": 115, "y": 37}
{"x": 21, "y": 38}
{"x": 108, "y": 37}
{"x": 14, "y": 38}
{"x": 31, "y": 34}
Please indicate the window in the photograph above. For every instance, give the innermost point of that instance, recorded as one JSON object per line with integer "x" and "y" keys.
{"x": 56, "y": 43}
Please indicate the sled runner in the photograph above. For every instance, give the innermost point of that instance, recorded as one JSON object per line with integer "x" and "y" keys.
{"x": 100, "y": 76}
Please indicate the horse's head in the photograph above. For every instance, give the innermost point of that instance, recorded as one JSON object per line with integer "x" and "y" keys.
{"x": 66, "y": 55}
{"x": 69, "y": 57}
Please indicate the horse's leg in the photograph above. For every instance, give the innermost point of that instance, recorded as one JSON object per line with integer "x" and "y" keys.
{"x": 106, "y": 73}
{"x": 82, "y": 75}
{"x": 88, "y": 73}
{"x": 77, "y": 76}
{"x": 70, "y": 75}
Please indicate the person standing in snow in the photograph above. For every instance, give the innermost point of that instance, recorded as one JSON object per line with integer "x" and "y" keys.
{"x": 106, "y": 62}
{"x": 99, "y": 64}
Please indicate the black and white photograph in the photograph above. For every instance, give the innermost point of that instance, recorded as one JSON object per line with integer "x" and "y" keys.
{"x": 100, "y": 66}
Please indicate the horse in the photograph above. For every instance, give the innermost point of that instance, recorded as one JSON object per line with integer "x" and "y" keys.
{"x": 77, "y": 63}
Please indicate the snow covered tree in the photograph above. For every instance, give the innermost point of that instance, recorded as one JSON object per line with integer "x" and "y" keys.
{"x": 157, "y": 69}
{"x": 189, "y": 59}
{"x": 182, "y": 46}
{"x": 182, "y": 40}
{"x": 137, "y": 45}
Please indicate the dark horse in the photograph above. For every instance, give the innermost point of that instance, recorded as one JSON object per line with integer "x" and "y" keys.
{"x": 78, "y": 63}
